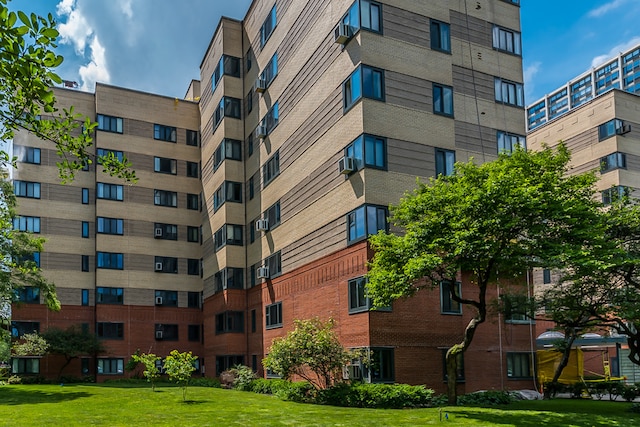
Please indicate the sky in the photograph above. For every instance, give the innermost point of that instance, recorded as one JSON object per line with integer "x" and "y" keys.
{"x": 157, "y": 45}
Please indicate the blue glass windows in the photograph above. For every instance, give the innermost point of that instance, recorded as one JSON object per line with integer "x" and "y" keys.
{"x": 445, "y": 161}
{"x": 442, "y": 100}
{"x": 109, "y": 124}
{"x": 368, "y": 151}
{"x": 507, "y": 142}
{"x": 364, "y": 14}
{"x": 509, "y": 93}
{"x": 364, "y": 221}
{"x": 26, "y": 189}
{"x": 110, "y": 260}
{"x": 507, "y": 40}
{"x": 440, "y": 36}
{"x": 268, "y": 26}
{"x": 227, "y": 66}
{"x": 365, "y": 82}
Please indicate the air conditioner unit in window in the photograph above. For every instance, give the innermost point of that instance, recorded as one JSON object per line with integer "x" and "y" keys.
{"x": 263, "y": 273}
{"x": 158, "y": 232}
{"x": 158, "y": 300}
{"x": 623, "y": 129}
{"x": 158, "y": 266}
{"x": 261, "y": 132}
{"x": 346, "y": 165}
{"x": 262, "y": 225}
{"x": 260, "y": 85}
{"x": 342, "y": 33}
{"x": 159, "y": 335}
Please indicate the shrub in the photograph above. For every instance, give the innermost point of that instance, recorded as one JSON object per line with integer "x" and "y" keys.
{"x": 14, "y": 379}
{"x": 596, "y": 389}
{"x": 486, "y": 398}
{"x": 36, "y": 379}
{"x": 364, "y": 395}
{"x": 242, "y": 377}
{"x": 301, "y": 392}
{"x": 577, "y": 389}
{"x": 265, "y": 386}
{"x": 552, "y": 389}
{"x": 630, "y": 392}
{"x": 635, "y": 408}
{"x": 205, "y": 382}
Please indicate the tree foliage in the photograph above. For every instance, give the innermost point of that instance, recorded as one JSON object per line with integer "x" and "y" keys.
{"x": 180, "y": 367}
{"x": 149, "y": 361}
{"x": 71, "y": 343}
{"x": 497, "y": 219}
{"x": 31, "y": 345}
{"x": 312, "y": 351}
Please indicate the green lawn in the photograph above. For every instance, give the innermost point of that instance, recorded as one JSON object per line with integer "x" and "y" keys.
{"x": 99, "y": 405}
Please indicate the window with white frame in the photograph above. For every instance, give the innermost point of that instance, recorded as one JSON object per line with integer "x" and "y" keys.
{"x": 507, "y": 40}
{"x": 509, "y": 93}
{"x": 273, "y": 315}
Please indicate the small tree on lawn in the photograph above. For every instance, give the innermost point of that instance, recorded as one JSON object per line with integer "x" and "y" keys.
{"x": 71, "y": 343}
{"x": 179, "y": 367}
{"x": 311, "y": 351}
{"x": 151, "y": 371}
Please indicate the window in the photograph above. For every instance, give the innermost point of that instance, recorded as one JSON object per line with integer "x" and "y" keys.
{"x": 193, "y": 138}
{"x": 274, "y": 263}
{"x": 546, "y": 276}
{"x": 273, "y": 315}
{"x": 229, "y": 278}
{"x": 270, "y": 71}
{"x": 509, "y": 93}
{"x": 165, "y": 231}
{"x": 193, "y": 299}
{"x": 85, "y": 263}
{"x": 358, "y": 301}
{"x": 84, "y": 297}
{"x": 111, "y": 366}
{"x": 27, "y": 154}
{"x": 517, "y": 308}
{"x": 227, "y": 66}
{"x": 109, "y": 295}
{"x": 193, "y": 202}
{"x": 110, "y": 260}
{"x": 110, "y": 225}
{"x": 381, "y": 365}
{"x": 271, "y": 169}
{"x": 249, "y": 101}
{"x": 85, "y": 229}
{"x": 249, "y": 59}
{"x": 224, "y": 363}
{"x": 365, "y": 82}
{"x": 166, "y": 298}
{"x": 165, "y": 198}
{"x": 447, "y": 304}
{"x": 519, "y": 365}
{"x": 228, "y": 234}
{"x": 614, "y": 194}
{"x": 251, "y": 188}
{"x": 85, "y": 196}
{"x": 166, "y": 332}
{"x": 228, "y": 107}
{"x": 19, "y": 328}
{"x": 108, "y": 330}
{"x": 230, "y": 322}
{"x": 507, "y": 40}
{"x": 109, "y": 124}
{"x": 364, "y": 221}
{"x": 250, "y": 144}
{"x": 193, "y": 267}
{"x": 368, "y": 151}
{"x": 269, "y": 121}
{"x": 440, "y": 36}
{"x": 26, "y": 189}
{"x": 613, "y": 161}
{"x": 25, "y": 365}
{"x": 165, "y": 264}
{"x": 164, "y": 133}
{"x": 103, "y": 153}
{"x": 268, "y": 26}
{"x": 253, "y": 323}
{"x": 610, "y": 128}
{"x": 507, "y": 142}
{"x": 193, "y": 169}
{"x": 442, "y": 100}
{"x": 109, "y": 191}
{"x": 164, "y": 165}
{"x": 28, "y": 295}
{"x": 445, "y": 161}
{"x": 272, "y": 215}
{"x": 460, "y": 366}
{"x": 228, "y": 149}
{"x": 229, "y": 191}
{"x": 193, "y": 332}
{"x": 193, "y": 234}
{"x": 364, "y": 14}
{"x": 27, "y": 223}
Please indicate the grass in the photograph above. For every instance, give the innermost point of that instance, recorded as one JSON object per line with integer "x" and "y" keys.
{"x": 126, "y": 405}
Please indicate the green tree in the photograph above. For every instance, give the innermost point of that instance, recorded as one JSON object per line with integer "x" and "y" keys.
{"x": 180, "y": 367}
{"x": 71, "y": 343}
{"x": 312, "y": 351}
{"x": 499, "y": 218}
{"x": 151, "y": 371}
{"x": 31, "y": 345}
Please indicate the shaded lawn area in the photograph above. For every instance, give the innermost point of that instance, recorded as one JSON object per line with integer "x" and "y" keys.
{"x": 99, "y": 405}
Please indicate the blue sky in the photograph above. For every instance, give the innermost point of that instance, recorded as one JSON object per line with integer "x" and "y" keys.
{"x": 157, "y": 45}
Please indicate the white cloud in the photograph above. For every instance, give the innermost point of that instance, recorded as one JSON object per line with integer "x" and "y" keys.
{"x": 125, "y": 6}
{"x": 65, "y": 7}
{"x": 616, "y": 50}
{"x": 96, "y": 70}
{"x": 76, "y": 30}
{"x": 529, "y": 74}
{"x": 606, "y": 8}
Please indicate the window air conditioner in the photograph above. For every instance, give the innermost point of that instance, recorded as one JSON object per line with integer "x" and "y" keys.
{"x": 260, "y": 85}
{"x": 346, "y": 165}
{"x": 263, "y": 273}
{"x": 261, "y": 132}
{"x": 158, "y": 266}
{"x": 159, "y": 335}
{"x": 262, "y": 225}
{"x": 158, "y": 300}
{"x": 623, "y": 129}
{"x": 158, "y": 232}
{"x": 342, "y": 33}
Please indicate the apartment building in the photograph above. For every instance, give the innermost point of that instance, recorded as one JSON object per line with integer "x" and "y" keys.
{"x": 313, "y": 117}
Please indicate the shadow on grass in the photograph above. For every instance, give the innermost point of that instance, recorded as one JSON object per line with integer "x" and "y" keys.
{"x": 195, "y": 402}
{"x": 25, "y": 396}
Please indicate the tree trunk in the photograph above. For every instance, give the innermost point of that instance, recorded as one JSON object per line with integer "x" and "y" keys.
{"x": 68, "y": 360}
{"x": 566, "y": 353}
{"x": 633, "y": 340}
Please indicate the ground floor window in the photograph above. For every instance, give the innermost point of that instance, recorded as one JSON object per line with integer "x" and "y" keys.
{"x": 111, "y": 366}
{"x": 379, "y": 369}
{"x": 25, "y": 366}
{"x": 519, "y": 365}
{"x": 227, "y": 362}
